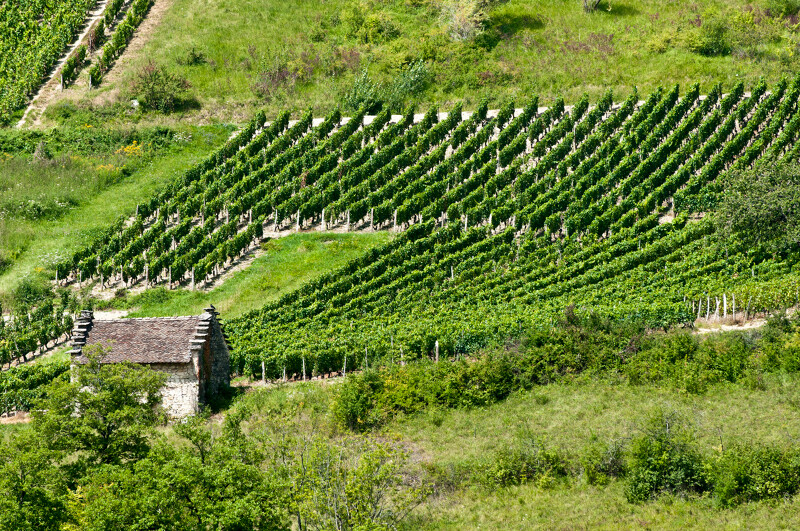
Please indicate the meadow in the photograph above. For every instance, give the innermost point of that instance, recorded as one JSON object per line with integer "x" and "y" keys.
{"x": 249, "y": 56}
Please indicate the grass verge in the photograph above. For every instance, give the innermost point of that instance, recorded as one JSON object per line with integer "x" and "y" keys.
{"x": 285, "y": 265}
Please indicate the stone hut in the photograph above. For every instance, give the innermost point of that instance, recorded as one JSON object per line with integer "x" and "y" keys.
{"x": 191, "y": 350}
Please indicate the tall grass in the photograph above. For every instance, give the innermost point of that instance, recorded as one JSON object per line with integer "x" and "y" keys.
{"x": 242, "y": 56}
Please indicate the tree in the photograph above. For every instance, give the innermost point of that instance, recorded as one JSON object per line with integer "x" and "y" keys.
{"x": 31, "y": 486}
{"x": 174, "y": 488}
{"x": 761, "y": 206}
{"x": 106, "y": 414}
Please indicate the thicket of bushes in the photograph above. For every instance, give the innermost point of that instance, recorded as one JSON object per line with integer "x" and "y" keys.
{"x": 82, "y": 140}
{"x": 589, "y": 345}
{"x": 661, "y": 458}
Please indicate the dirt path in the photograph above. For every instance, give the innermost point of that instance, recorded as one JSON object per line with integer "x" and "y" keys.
{"x": 132, "y": 52}
{"x": 749, "y": 325}
{"x": 53, "y": 84}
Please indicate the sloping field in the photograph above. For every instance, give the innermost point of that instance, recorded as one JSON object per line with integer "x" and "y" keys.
{"x": 33, "y": 34}
{"x": 507, "y": 218}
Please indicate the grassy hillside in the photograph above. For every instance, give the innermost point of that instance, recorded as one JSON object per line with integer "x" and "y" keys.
{"x": 243, "y": 56}
{"x": 464, "y": 445}
{"x": 59, "y": 186}
{"x": 283, "y": 266}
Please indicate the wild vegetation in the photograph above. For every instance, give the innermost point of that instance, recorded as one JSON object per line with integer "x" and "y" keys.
{"x": 511, "y": 295}
{"x": 436, "y": 52}
{"x": 427, "y": 436}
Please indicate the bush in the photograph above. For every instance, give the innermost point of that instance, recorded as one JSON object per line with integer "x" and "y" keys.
{"x": 464, "y": 19}
{"x": 354, "y": 406}
{"x": 159, "y": 89}
{"x": 378, "y": 28}
{"x": 745, "y": 473}
{"x": 783, "y": 8}
{"x": 712, "y": 38}
{"x": 664, "y": 460}
{"x": 526, "y": 460}
{"x": 364, "y": 93}
{"x": 32, "y": 291}
{"x": 409, "y": 83}
{"x": 603, "y": 461}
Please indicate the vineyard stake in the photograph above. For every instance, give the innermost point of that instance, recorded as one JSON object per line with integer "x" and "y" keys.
{"x": 734, "y": 306}
{"x": 263, "y": 372}
{"x": 324, "y": 226}
{"x": 724, "y": 306}
{"x": 344, "y": 369}
{"x": 304, "y": 368}
{"x": 436, "y": 348}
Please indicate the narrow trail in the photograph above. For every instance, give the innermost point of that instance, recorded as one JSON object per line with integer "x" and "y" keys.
{"x": 49, "y": 87}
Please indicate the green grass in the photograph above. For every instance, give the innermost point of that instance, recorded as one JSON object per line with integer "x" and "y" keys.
{"x": 571, "y": 416}
{"x": 311, "y": 57}
{"x": 568, "y": 417}
{"x": 93, "y": 194}
{"x": 285, "y": 265}
{"x": 589, "y": 507}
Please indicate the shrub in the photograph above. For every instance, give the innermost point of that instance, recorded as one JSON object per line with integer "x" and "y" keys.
{"x": 32, "y": 291}
{"x": 747, "y": 473}
{"x": 353, "y": 19}
{"x": 664, "y": 460}
{"x": 712, "y": 38}
{"x": 603, "y": 461}
{"x": 464, "y": 19}
{"x": 525, "y": 460}
{"x": 783, "y": 8}
{"x": 354, "y": 406}
{"x": 378, "y": 28}
{"x": 364, "y": 93}
{"x": 159, "y": 89}
{"x": 409, "y": 83}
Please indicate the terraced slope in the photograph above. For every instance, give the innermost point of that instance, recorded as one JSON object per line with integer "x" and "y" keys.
{"x": 33, "y": 34}
{"x": 507, "y": 218}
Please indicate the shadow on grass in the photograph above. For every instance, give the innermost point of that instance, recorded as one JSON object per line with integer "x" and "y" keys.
{"x": 509, "y": 24}
{"x": 619, "y": 10}
{"x": 225, "y": 398}
{"x": 187, "y": 104}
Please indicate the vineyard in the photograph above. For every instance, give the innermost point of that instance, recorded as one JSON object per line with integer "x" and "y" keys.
{"x": 506, "y": 218}
{"x": 33, "y": 35}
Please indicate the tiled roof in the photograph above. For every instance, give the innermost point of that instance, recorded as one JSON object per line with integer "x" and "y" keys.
{"x": 144, "y": 340}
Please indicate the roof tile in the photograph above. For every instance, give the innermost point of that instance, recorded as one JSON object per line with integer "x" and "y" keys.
{"x": 144, "y": 340}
